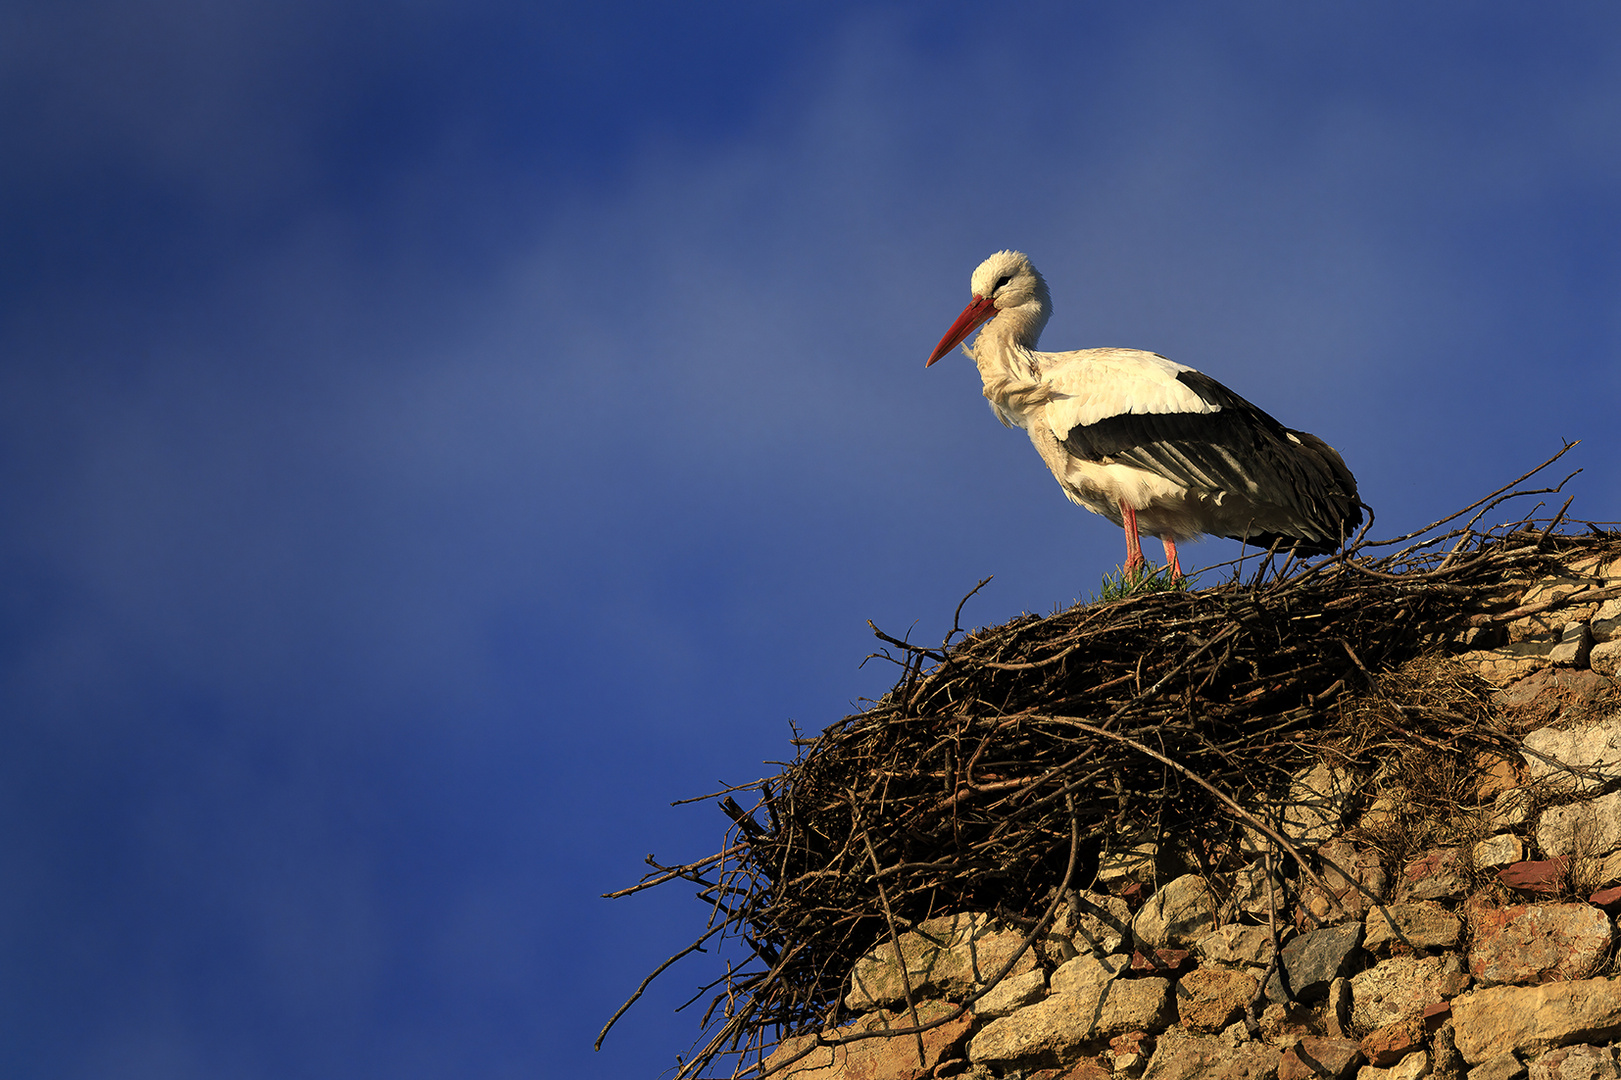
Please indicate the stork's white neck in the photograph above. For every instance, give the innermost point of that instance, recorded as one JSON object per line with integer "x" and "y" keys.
{"x": 1008, "y": 364}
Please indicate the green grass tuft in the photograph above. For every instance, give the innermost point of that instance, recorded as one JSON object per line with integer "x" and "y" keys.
{"x": 1153, "y": 579}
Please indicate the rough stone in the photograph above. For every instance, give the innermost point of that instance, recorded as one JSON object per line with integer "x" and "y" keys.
{"x": 1250, "y": 894}
{"x": 1309, "y": 813}
{"x": 1436, "y": 874}
{"x": 1179, "y": 914}
{"x": 1282, "y": 1025}
{"x": 1179, "y": 1056}
{"x": 1424, "y": 924}
{"x": 1495, "y": 773}
{"x": 1593, "y": 750}
{"x": 1504, "y": 1066}
{"x": 1053, "y": 1030}
{"x": 1087, "y": 974}
{"x": 1145, "y": 861}
{"x": 1498, "y": 851}
{"x": 1131, "y": 1052}
{"x": 1013, "y": 992}
{"x": 1444, "y": 1050}
{"x": 1337, "y": 1009}
{"x": 1235, "y": 945}
{"x": 1606, "y": 621}
{"x": 1411, "y": 1067}
{"x": 1352, "y": 875}
{"x": 1531, "y": 1019}
{"x": 1398, "y": 989}
{"x": 1591, "y": 872}
{"x": 948, "y": 956}
{"x": 876, "y": 1059}
{"x": 1546, "y": 623}
{"x": 1312, "y": 961}
{"x": 1133, "y": 863}
{"x": 1606, "y": 658}
{"x": 1093, "y": 922}
{"x": 1319, "y": 1056}
{"x": 1581, "y": 828}
{"x": 1575, "y": 641}
{"x": 1537, "y": 942}
{"x": 1382, "y": 811}
{"x": 1502, "y": 666}
{"x": 1552, "y": 694}
{"x": 1211, "y": 998}
{"x": 1512, "y": 808}
{"x": 1170, "y": 962}
{"x": 1384, "y": 1046}
{"x": 1536, "y": 875}
{"x": 1579, "y": 1062}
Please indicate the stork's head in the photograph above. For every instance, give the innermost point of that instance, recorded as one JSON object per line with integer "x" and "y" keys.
{"x": 1004, "y": 282}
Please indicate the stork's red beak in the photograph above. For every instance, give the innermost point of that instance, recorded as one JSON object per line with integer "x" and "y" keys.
{"x": 975, "y": 313}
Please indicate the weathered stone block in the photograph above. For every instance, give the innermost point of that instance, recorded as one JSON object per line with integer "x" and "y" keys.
{"x": 876, "y": 1059}
{"x": 1319, "y": 1056}
{"x": 1502, "y": 1067}
{"x": 1254, "y": 889}
{"x": 1606, "y": 621}
{"x": 1179, "y": 1056}
{"x": 1399, "y": 988}
{"x": 1095, "y": 923}
{"x": 1054, "y": 1030}
{"x": 1496, "y": 852}
{"x": 1574, "y": 643}
{"x": 1579, "y": 1062}
{"x": 1537, "y": 875}
{"x": 1384, "y": 1046}
{"x": 1411, "y": 1067}
{"x": 1530, "y": 1019}
{"x": 1355, "y": 879}
{"x": 1013, "y": 992}
{"x": 1437, "y": 874}
{"x": 1502, "y": 666}
{"x": 947, "y": 957}
{"x": 1235, "y": 945}
{"x": 1087, "y": 974}
{"x": 1576, "y": 759}
{"x": 1606, "y": 658}
{"x": 1512, "y": 808}
{"x": 1179, "y": 914}
{"x": 1537, "y": 942}
{"x": 1211, "y": 998}
{"x": 1310, "y": 811}
{"x": 1424, "y": 924}
{"x": 1312, "y": 961}
{"x": 1581, "y": 828}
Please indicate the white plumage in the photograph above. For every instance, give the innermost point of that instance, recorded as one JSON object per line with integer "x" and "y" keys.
{"x": 1152, "y": 445}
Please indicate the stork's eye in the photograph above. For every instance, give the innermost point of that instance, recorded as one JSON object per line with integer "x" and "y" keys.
{"x": 1003, "y": 280}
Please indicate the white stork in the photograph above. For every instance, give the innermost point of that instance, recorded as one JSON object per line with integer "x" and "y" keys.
{"x": 1157, "y": 448}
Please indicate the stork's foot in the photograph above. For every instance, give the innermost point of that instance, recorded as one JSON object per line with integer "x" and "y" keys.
{"x": 1173, "y": 567}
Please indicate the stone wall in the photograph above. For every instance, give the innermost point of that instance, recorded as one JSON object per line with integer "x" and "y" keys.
{"x": 1491, "y": 958}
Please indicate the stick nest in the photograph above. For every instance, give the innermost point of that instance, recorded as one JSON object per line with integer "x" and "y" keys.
{"x": 999, "y": 766}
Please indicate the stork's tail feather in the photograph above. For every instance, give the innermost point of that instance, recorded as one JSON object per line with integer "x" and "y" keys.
{"x": 1329, "y": 502}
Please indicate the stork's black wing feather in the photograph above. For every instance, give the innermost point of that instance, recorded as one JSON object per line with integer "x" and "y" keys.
{"x": 1237, "y": 448}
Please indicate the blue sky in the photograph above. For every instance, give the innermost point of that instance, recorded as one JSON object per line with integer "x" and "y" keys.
{"x": 434, "y": 437}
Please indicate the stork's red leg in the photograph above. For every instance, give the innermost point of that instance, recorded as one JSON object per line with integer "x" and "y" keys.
{"x": 1134, "y": 548}
{"x": 1170, "y": 558}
